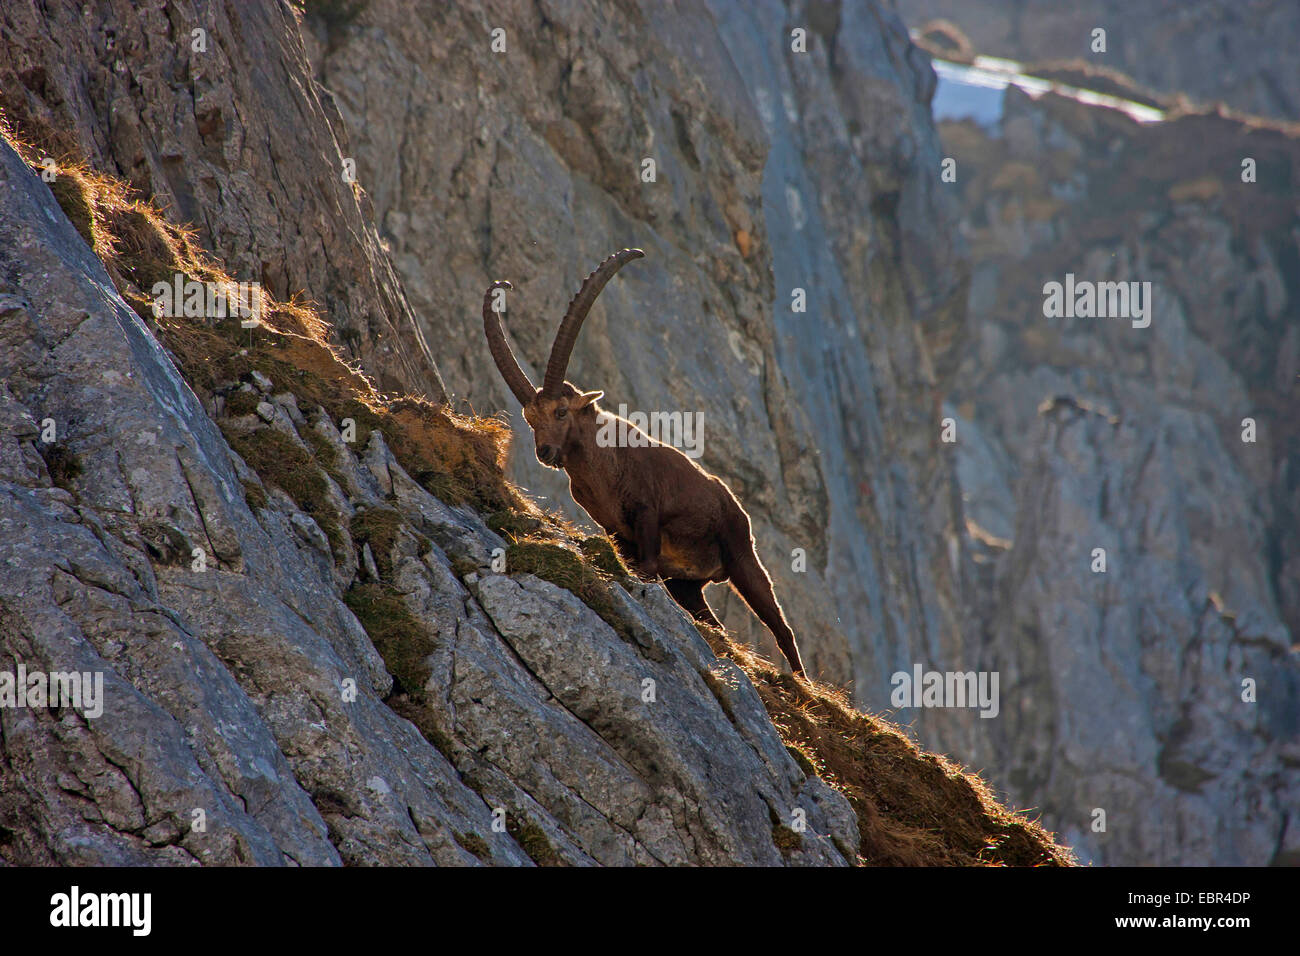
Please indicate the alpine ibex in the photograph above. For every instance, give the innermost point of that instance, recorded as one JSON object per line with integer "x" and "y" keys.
{"x": 667, "y": 516}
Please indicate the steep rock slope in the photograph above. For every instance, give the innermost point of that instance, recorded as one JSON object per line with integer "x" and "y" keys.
{"x": 805, "y": 171}
{"x": 226, "y": 687}
{"x": 320, "y": 661}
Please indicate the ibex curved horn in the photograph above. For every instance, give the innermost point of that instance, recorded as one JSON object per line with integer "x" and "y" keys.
{"x": 502, "y": 353}
{"x": 578, "y": 309}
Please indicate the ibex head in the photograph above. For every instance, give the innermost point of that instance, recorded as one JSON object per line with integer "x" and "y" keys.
{"x": 559, "y": 414}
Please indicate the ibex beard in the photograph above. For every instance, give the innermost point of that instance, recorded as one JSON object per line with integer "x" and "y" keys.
{"x": 668, "y": 517}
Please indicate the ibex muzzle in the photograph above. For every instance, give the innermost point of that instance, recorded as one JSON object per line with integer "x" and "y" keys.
{"x": 668, "y": 517}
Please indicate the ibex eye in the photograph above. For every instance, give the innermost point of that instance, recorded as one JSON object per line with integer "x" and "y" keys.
{"x": 561, "y": 412}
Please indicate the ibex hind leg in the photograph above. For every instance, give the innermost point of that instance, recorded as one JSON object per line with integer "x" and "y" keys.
{"x": 749, "y": 578}
{"x": 690, "y": 595}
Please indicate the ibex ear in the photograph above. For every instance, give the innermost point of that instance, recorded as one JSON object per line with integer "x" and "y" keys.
{"x": 585, "y": 399}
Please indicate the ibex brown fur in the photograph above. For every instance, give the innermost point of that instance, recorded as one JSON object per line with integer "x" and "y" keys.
{"x": 668, "y": 517}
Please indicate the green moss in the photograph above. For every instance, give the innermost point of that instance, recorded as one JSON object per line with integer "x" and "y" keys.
{"x": 333, "y": 531}
{"x": 475, "y": 844}
{"x": 242, "y": 403}
{"x": 401, "y": 638}
{"x": 378, "y": 527}
{"x": 362, "y": 416}
{"x": 550, "y": 562}
{"x": 426, "y": 721}
{"x": 254, "y": 495}
{"x": 279, "y": 460}
{"x": 511, "y": 524}
{"x": 532, "y": 840}
{"x": 463, "y": 566}
{"x": 600, "y": 551}
{"x": 434, "y": 733}
{"x": 145, "y": 253}
{"x": 457, "y": 486}
{"x": 70, "y": 193}
{"x": 327, "y": 456}
{"x": 786, "y": 840}
{"x": 443, "y": 486}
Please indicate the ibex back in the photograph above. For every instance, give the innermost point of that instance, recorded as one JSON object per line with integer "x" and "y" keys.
{"x": 669, "y": 518}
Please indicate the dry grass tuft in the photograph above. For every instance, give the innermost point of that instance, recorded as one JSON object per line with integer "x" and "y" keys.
{"x": 459, "y": 458}
{"x": 914, "y": 808}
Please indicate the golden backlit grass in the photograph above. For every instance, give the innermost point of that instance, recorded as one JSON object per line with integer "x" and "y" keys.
{"x": 914, "y": 808}
{"x": 457, "y": 457}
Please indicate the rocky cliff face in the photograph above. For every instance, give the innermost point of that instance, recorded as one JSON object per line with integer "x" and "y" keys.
{"x": 1171, "y": 446}
{"x": 329, "y": 630}
{"x": 1210, "y": 50}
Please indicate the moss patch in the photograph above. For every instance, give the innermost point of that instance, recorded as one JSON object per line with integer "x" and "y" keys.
{"x": 75, "y": 200}
{"x": 786, "y": 840}
{"x": 401, "y": 638}
{"x": 426, "y": 721}
{"x": 325, "y": 453}
{"x": 254, "y": 495}
{"x": 512, "y": 524}
{"x": 379, "y": 527}
{"x": 802, "y": 759}
{"x": 463, "y": 566}
{"x": 278, "y": 459}
{"x": 550, "y": 562}
{"x": 475, "y": 844}
{"x": 600, "y": 551}
{"x": 532, "y": 840}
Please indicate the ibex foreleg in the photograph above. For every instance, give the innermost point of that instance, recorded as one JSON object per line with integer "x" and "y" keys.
{"x": 646, "y": 531}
